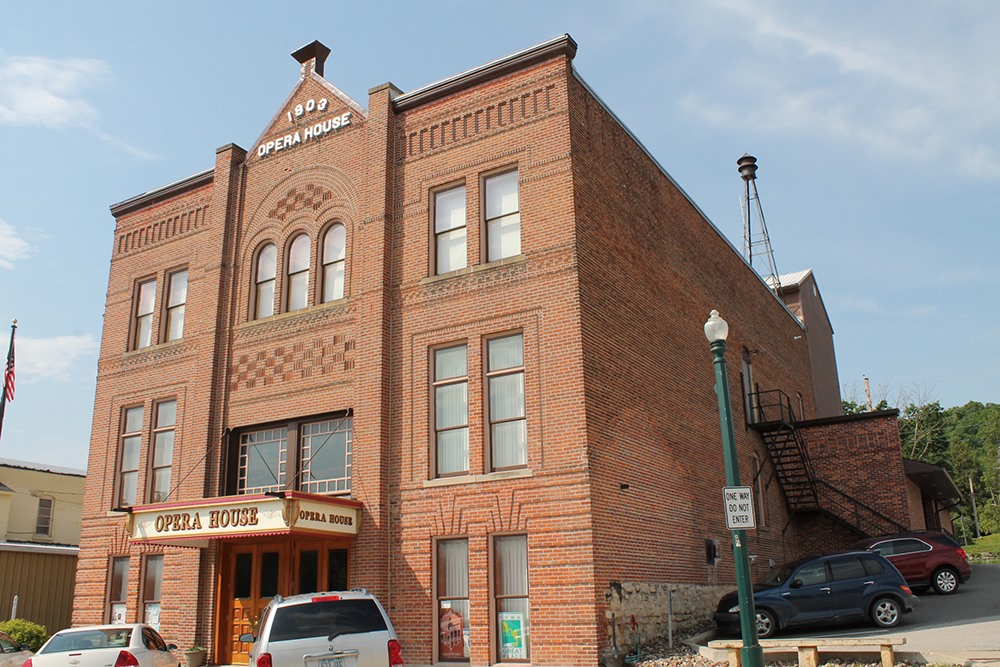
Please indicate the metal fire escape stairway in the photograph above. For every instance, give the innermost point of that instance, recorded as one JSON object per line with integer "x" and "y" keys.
{"x": 774, "y": 419}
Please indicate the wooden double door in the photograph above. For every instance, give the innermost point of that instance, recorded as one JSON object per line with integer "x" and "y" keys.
{"x": 253, "y": 573}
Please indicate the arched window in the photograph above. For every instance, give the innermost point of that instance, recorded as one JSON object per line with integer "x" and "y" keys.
{"x": 334, "y": 260}
{"x": 298, "y": 273}
{"x": 264, "y": 276}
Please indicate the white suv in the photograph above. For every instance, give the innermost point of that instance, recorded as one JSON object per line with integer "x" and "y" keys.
{"x": 334, "y": 629}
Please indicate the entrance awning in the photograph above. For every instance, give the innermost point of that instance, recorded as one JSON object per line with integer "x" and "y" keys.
{"x": 277, "y": 513}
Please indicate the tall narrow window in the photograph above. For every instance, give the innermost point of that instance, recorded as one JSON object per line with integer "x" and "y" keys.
{"x": 298, "y": 273}
{"x": 505, "y": 378}
{"x": 334, "y": 261}
{"x": 117, "y": 589}
{"x": 449, "y": 230}
{"x": 152, "y": 586}
{"x": 144, "y": 301}
{"x": 264, "y": 278}
{"x": 130, "y": 447}
{"x": 503, "y": 217}
{"x": 453, "y": 599}
{"x": 176, "y": 301}
{"x": 43, "y": 523}
{"x": 326, "y": 456}
{"x": 510, "y": 553}
{"x": 163, "y": 450}
{"x": 263, "y": 460}
{"x": 451, "y": 410}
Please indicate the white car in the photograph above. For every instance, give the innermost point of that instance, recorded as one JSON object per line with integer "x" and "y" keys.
{"x": 12, "y": 654}
{"x": 135, "y": 645}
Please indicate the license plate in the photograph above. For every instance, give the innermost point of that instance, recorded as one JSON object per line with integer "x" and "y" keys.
{"x": 331, "y": 662}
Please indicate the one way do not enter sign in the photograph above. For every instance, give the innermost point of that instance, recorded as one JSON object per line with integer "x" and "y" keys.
{"x": 739, "y": 507}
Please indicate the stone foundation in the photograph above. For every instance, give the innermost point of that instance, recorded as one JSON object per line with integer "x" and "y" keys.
{"x": 645, "y": 607}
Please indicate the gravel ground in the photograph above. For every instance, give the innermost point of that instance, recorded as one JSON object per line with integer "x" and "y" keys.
{"x": 656, "y": 653}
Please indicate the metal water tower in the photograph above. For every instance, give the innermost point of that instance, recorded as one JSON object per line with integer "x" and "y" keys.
{"x": 756, "y": 243}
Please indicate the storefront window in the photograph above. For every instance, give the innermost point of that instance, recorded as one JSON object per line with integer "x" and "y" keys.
{"x": 118, "y": 590}
{"x": 152, "y": 586}
{"x": 453, "y": 599}
{"x": 511, "y": 597}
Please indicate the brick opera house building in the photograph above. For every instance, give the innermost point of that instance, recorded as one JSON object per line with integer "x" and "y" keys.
{"x": 449, "y": 348}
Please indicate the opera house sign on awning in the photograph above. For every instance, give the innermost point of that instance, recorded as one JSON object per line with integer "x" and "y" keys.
{"x": 280, "y": 513}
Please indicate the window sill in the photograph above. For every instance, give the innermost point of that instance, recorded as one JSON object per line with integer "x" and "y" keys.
{"x": 476, "y": 268}
{"x": 521, "y": 473}
{"x": 277, "y": 317}
{"x": 158, "y": 347}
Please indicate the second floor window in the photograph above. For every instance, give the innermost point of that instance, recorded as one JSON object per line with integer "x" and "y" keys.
{"x": 298, "y": 273}
{"x": 130, "y": 448}
{"x": 263, "y": 460}
{"x": 176, "y": 302}
{"x": 451, "y": 409}
{"x": 449, "y": 230}
{"x": 264, "y": 279}
{"x": 503, "y": 217}
{"x": 163, "y": 450}
{"x": 505, "y": 385}
{"x": 334, "y": 261}
{"x": 145, "y": 301}
{"x": 43, "y": 523}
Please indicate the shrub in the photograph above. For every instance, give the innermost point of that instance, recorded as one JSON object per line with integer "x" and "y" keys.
{"x": 25, "y": 632}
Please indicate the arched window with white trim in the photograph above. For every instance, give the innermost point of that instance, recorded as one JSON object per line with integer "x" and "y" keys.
{"x": 334, "y": 262}
{"x": 264, "y": 280}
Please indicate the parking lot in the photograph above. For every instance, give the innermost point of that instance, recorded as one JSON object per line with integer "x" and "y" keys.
{"x": 945, "y": 629}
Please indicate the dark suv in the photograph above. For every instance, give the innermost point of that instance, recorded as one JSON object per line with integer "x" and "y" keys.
{"x": 924, "y": 558}
{"x": 838, "y": 588}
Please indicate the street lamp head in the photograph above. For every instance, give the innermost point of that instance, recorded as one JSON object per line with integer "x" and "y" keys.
{"x": 716, "y": 329}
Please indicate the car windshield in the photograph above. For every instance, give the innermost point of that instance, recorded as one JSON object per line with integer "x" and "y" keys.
{"x": 84, "y": 640}
{"x": 779, "y": 575}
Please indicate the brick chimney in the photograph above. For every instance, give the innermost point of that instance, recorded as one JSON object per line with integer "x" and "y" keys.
{"x": 312, "y": 56}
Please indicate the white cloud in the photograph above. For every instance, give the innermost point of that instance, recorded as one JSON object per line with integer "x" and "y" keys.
{"x": 53, "y": 358}
{"x": 45, "y": 92}
{"x": 12, "y": 246}
{"x": 901, "y": 87}
{"x": 862, "y": 303}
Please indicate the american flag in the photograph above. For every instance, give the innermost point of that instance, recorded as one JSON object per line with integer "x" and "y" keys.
{"x": 8, "y": 373}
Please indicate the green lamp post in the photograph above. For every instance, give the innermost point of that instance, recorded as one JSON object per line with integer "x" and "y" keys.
{"x": 716, "y": 330}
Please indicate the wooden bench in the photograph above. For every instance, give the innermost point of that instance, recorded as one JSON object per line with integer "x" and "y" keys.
{"x": 808, "y": 649}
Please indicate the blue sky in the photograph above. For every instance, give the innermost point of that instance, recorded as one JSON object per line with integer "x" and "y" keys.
{"x": 876, "y": 127}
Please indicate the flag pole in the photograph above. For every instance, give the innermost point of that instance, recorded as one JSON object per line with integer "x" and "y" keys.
{"x": 8, "y": 368}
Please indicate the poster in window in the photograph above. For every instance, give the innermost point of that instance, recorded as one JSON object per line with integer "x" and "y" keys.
{"x": 118, "y": 614}
{"x": 512, "y": 636}
{"x": 452, "y": 643}
{"x": 153, "y": 615}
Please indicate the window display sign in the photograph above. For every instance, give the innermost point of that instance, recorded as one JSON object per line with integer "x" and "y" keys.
{"x": 452, "y": 642}
{"x": 512, "y": 636}
{"x": 118, "y": 614}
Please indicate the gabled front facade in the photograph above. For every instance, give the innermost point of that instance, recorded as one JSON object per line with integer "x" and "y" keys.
{"x": 447, "y": 347}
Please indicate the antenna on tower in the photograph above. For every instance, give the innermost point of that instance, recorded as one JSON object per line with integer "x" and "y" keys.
{"x": 756, "y": 244}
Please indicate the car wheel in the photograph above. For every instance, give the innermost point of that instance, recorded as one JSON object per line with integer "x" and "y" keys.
{"x": 945, "y": 581}
{"x": 886, "y": 613}
{"x": 766, "y": 624}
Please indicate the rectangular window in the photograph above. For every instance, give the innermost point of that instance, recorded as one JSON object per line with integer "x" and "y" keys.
{"x": 152, "y": 586}
{"x": 450, "y": 382}
{"x": 43, "y": 524}
{"x": 505, "y": 386}
{"x": 325, "y": 454}
{"x": 145, "y": 299}
{"x": 163, "y": 450}
{"x": 177, "y": 287}
{"x": 449, "y": 230}
{"x": 503, "y": 217}
{"x": 510, "y": 559}
{"x": 130, "y": 447}
{"x": 263, "y": 460}
{"x": 117, "y": 590}
{"x": 453, "y": 599}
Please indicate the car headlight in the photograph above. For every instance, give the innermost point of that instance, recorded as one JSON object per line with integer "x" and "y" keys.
{"x": 734, "y": 610}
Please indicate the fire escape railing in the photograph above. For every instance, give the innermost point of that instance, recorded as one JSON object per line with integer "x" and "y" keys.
{"x": 773, "y": 416}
